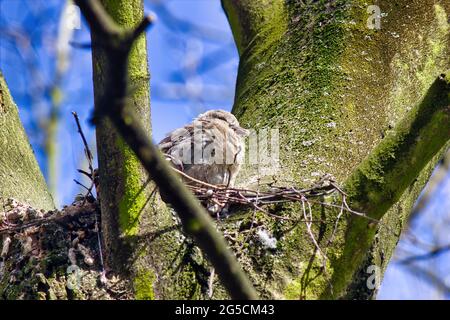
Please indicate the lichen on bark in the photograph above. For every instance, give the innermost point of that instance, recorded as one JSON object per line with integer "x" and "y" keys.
{"x": 20, "y": 176}
{"x": 335, "y": 88}
{"x": 140, "y": 235}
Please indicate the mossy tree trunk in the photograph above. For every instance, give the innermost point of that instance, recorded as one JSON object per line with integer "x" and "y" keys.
{"x": 143, "y": 242}
{"x": 335, "y": 88}
{"x": 122, "y": 180}
{"x": 20, "y": 176}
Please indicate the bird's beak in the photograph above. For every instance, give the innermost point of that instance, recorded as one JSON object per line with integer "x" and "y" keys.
{"x": 242, "y": 132}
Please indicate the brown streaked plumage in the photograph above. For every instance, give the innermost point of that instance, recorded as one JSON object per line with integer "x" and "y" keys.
{"x": 210, "y": 149}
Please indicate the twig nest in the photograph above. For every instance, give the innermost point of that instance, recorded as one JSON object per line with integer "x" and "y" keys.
{"x": 2, "y": 217}
{"x": 33, "y": 214}
{"x": 27, "y": 245}
{"x": 87, "y": 255}
{"x": 214, "y": 208}
{"x": 5, "y": 247}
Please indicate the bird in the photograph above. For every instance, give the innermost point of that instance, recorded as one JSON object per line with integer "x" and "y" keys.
{"x": 210, "y": 149}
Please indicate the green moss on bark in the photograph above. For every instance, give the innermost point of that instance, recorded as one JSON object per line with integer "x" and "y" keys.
{"x": 143, "y": 285}
{"x": 20, "y": 176}
{"x": 335, "y": 89}
{"x": 134, "y": 199}
{"x": 379, "y": 182}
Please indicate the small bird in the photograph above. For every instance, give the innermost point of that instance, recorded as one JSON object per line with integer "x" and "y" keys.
{"x": 210, "y": 149}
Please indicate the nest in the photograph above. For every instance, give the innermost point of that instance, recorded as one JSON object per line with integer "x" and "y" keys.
{"x": 53, "y": 254}
{"x": 223, "y": 201}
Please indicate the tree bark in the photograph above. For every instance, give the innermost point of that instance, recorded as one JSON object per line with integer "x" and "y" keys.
{"x": 335, "y": 89}
{"x": 148, "y": 253}
{"x": 143, "y": 239}
{"x": 123, "y": 182}
{"x": 20, "y": 176}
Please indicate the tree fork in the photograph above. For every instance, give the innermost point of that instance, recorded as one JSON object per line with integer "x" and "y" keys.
{"x": 335, "y": 88}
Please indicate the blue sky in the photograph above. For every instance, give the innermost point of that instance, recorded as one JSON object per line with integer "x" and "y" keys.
{"x": 193, "y": 64}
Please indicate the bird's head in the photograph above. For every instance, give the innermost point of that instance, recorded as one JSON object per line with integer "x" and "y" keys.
{"x": 227, "y": 117}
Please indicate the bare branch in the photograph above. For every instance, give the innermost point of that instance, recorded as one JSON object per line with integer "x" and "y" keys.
{"x": 431, "y": 254}
{"x": 145, "y": 23}
{"x": 98, "y": 18}
{"x": 87, "y": 150}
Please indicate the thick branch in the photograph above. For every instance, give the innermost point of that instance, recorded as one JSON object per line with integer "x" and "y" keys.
{"x": 332, "y": 86}
{"x": 379, "y": 181}
{"x": 384, "y": 175}
{"x": 195, "y": 220}
{"x": 250, "y": 18}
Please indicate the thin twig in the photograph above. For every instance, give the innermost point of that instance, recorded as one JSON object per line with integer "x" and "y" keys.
{"x": 86, "y": 146}
{"x": 91, "y": 175}
{"x": 211, "y": 282}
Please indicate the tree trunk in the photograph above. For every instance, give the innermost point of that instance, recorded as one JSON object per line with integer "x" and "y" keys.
{"x": 20, "y": 176}
{"x": 335, "y": 88}
{"x": 145, "y": 248}
{"x": 143, "y": 242}
{"x": 122, "y": 180}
